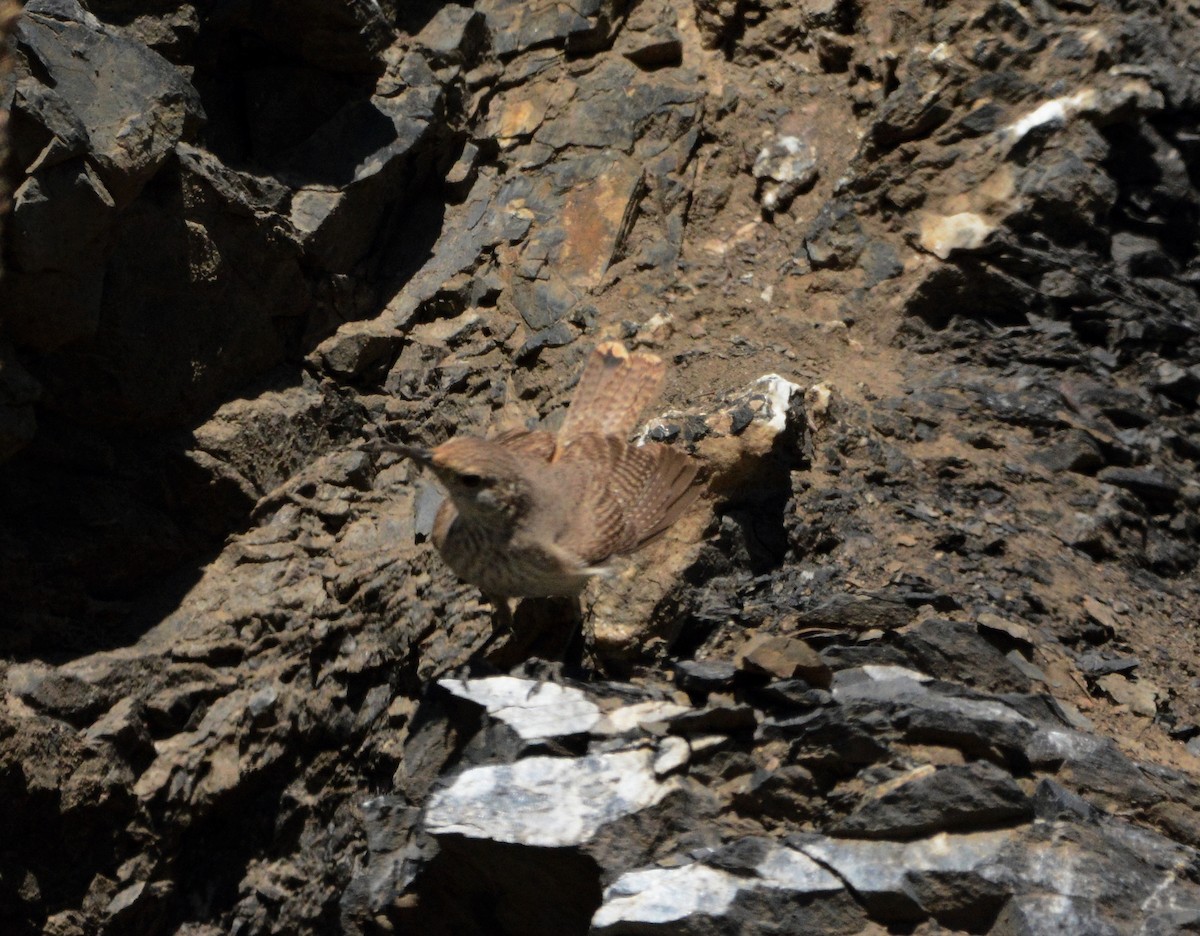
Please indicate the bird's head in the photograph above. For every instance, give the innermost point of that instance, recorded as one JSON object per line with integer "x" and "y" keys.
{"x": 483, "y": 478}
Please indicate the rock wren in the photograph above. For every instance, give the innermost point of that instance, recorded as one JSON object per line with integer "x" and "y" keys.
{"x": 536, "y": 514}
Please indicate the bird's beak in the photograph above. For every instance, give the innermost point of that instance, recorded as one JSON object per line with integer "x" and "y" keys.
{"x": 422, "y": 456}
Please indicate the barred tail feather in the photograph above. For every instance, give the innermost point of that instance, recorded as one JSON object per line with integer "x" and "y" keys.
{"x": 614, "y": 389}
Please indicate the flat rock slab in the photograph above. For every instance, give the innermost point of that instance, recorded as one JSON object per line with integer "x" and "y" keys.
{"x": 548, "y": 802}
{"x": 660, "y": 897}
{"x": 532, "y": 709}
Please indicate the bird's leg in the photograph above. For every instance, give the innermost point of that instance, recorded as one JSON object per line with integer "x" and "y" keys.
{"x": 502, "y": 621}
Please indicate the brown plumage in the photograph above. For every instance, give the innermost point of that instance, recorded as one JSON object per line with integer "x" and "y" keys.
{"x": 539, "y": 513}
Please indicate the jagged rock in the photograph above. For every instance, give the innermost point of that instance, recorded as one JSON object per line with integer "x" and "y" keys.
{"x": 928, "y": 800}
{"x": 880, "y": 261}
{"x": 241, "y": 698}
{"x": 132, "y": 120}
{"x": 918, "y": 106}
{"x": 786, "y": 658}
{"x": 714, "y": 719}
{"x": 516, "y": 27}
{"x": 955, "y": 650}
{"x": 928, "y": 715}
{"x": 1155, "y": 488}
{"x": 649, "y": 38}
{"x": 1077, "y": 451}
{"x": 1090, "y": 764}
{"x": 455, "y": 35}
{"x": 343, "y": 196}
{"x": 835, "y": 238}
{"x": 394, "y": 858}
{"x": 909, "y": 881}
{"x": 705, "y": 675}
{"x": 99, "y": 116}
{"x": 1095, "y": 663}
{"x": 1009, "y": 632}
{"x": 857, "y": 613}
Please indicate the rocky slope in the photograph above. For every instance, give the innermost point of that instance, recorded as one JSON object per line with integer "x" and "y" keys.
{"x": 924, "y": 661}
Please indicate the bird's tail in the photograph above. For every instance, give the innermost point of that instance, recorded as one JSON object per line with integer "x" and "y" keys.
{"x": 615, "y": 388}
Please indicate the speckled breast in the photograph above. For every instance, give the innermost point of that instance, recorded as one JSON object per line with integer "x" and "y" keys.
{"x": 501, "y": 569}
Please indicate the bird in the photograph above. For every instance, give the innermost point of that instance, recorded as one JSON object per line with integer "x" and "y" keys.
{"x": 533, "y": 513}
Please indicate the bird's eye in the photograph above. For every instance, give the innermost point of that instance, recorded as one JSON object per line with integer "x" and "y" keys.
{"x": 470, "y": 480}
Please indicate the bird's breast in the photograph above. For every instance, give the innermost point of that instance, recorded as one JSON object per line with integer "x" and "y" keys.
{"x": 506, "y": 564}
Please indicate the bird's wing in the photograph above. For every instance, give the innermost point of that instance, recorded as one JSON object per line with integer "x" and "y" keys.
{"x": 537, "y": 444}
{"x": 627, "y": 495}
{"x": 613, "y": 390}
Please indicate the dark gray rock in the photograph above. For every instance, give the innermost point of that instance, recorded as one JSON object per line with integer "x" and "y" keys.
{"x": 61, "y": 225}
{"x": 1066, "y": 188}
{"x": 980, "y": 120}
{"x": 835, "y": 238}
{"x": 1179, "y": 383}
{"x": 517, "y": 27}
{"x": 978, "y": 795}
{"x": 1053, "y": 802}
{"x": 395, "y": 854}
{"x": 1039, "y": 915}
{"x": 133, "y": 116}
{"x": 955, "y": 650}
{"x": 614, "y": 110}
{"x": 1094, "y": 663}
{"x": 932, "y": 713}
{"x": 1077, "y": 451}
{"x": 654, "y": 48}
{"x": 344, "y": 194}
{"x": 899, "y": 882}
{"x": 827, "y": 739}
{"x": 719, "y": 719}
{"x": 880, "y": 261}
{"x": 1154, "y": 487}
{"x": 557, "y": 335}
{"x": 915, "y": 109}
{"x": 455, "y": 35}
{"x": 46, "y": 127}
{"x": 1124, "y": 407}
{"x": 857, "y": 613}
{"x": 705, "y": 675}
{"x": 1137, "y": 255}
{"x": 1090, "y": 764}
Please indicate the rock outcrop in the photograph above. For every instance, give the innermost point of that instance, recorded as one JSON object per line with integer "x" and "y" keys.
{"x": 923, "y": 660}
